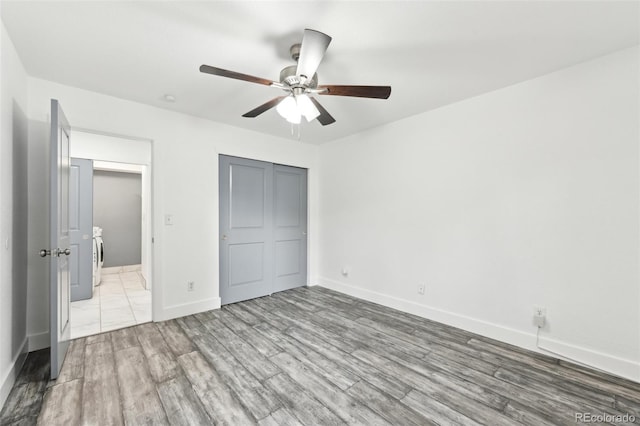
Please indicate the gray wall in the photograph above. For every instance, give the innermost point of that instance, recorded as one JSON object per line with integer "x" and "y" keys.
{"x": 117, "y": 209}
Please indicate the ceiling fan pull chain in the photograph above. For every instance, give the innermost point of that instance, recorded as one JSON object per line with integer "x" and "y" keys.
{"x": 295, "y": 131}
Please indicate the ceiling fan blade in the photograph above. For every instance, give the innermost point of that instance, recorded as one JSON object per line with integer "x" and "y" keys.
{"x": 232, "y": 74}
{"x": 314, "y": 45}
{"x": 264, "y": 107}
{"x": 378, "y": 92}
{"x": 324, "y": 118}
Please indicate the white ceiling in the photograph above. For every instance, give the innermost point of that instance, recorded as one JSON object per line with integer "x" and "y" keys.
{"x": 431, "y": 53}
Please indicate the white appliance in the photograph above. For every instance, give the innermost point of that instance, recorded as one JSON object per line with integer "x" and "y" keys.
{"x": 98, "y": 255}
{"x": 95, "y": 259}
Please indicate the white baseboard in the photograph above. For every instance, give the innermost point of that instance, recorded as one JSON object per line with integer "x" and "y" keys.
{"x": 184, "y": 309}
{"x": 313, "y": 281}
{"x": 591, "y": 358}
{"x": 10, "y": 377}
{"x": 39, "y": 341}
{"x": 618, "y": 366}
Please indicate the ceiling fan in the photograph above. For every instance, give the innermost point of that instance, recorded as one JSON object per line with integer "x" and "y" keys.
{"x": 300, "y": 81}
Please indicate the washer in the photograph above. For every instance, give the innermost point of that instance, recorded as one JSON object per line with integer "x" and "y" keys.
{"x": 99, "y": 245}
{"x": 95, "y": 259}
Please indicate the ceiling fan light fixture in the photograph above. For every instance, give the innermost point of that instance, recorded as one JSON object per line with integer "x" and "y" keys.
{"x": 300, "y": 80}
{"x": 288, "y": 109}
{"x": 307, "y": 108}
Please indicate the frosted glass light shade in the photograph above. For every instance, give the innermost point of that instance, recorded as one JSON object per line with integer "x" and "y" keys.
{"x": 307, "y": 108}
{"x": 288, "y": 109}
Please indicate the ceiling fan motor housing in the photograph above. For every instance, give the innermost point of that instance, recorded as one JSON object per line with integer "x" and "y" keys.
{"x": 288, "y": 76}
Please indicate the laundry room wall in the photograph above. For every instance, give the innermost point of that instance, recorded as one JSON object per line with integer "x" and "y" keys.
{"x": 184, "y": 185}
{"x": 117, "y": 209}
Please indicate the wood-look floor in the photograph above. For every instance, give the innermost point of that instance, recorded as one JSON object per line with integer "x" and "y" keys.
{"x": 316, "y": 357}
{"x": 25, "y": 400}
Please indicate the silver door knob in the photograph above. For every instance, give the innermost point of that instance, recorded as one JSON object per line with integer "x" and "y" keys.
{"x": 54, "y": 252}
{"x": 224, "y": 237}
{"x": 304, "y": 232}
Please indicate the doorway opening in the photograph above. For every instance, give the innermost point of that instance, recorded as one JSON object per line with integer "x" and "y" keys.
{"x": 121, "y": 252}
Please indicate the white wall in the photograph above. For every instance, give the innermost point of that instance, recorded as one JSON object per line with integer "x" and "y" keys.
{"x": 520, "y": 197}
{"x": 13, "y": 213}
{"x": 185, "y": 184}
{"x": 111, "y": 148}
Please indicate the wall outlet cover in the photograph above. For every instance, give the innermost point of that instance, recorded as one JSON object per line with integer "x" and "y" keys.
{"x": 539, "y": 316}
{"x": 539, "y": 321}
{"x": 539, "y": 311}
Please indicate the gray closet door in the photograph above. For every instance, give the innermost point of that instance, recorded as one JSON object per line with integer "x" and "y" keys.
{"x": 246, "y": 229}
{"x": 81, "y": 228}
{"x": 263, "y": 224}
{"x": 290, "y": 227}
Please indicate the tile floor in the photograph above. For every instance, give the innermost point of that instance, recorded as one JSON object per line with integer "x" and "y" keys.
{"x": 119, "y": 301}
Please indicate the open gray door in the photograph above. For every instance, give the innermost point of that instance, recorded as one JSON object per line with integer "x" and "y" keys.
{"x": 81, "y": 228}
{"x": 59, "y": 302}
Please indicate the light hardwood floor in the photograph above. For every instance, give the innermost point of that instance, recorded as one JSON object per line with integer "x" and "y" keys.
{"x": 316, "y": 357}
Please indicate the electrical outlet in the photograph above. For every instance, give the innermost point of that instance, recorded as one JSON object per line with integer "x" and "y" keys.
{"x": 421, "y": 287}
{"x": 539, "y": 316}
{"x": 190, "y": 285}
